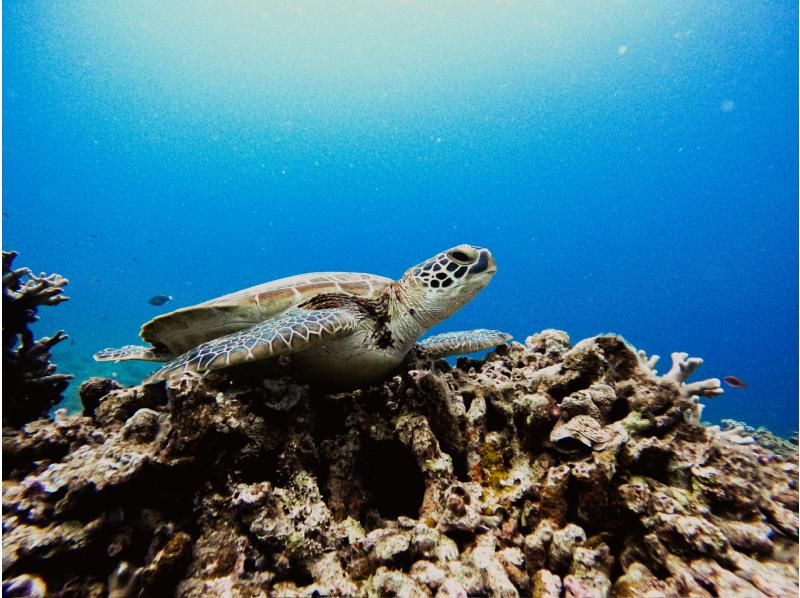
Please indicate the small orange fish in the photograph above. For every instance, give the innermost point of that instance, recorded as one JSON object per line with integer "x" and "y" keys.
{"x": 734, "y": 382}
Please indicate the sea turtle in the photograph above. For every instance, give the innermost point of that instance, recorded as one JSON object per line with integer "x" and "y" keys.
{"x": 342, "y": 328}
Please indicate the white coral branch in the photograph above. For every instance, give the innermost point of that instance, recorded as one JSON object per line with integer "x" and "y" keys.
{"x": 704, "y": 388}
{"x": 682, "y": 367}
{"x": 648, "y": 362}
{"x": 46, "y": 289}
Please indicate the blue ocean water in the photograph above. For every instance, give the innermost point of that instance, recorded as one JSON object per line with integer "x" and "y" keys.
{"x": 631, "y": 165}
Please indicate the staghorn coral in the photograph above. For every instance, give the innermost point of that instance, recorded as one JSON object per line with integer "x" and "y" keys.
{"x": 543, "y": 470}
{"x": 31, "y": 385}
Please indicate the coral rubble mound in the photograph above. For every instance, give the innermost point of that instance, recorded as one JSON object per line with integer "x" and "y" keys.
{"x": 544, "y": 470}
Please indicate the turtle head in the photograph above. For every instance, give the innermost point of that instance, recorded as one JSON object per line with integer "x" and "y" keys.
{"x": 441, "y": 285}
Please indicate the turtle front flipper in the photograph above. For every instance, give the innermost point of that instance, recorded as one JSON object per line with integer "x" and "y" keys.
{"x": 294, "y": 331}
{"x": 466, "y": 341}
{"x": 133, "y": 352}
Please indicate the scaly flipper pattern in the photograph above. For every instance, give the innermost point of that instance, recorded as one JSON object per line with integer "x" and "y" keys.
{"x": 465, "y": 341}
{"x": 294, "y": 331}
{"x": 133, "y": 352}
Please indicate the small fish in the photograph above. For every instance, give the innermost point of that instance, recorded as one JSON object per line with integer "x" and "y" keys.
{"x": 159, "y": 299}
{"x": 93, "y": 236}
{"x": 734, "y": 382}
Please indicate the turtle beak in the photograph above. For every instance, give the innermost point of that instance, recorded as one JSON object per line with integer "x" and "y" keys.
{"x": 485, "y": 263}
{"x": 492, "y": 267}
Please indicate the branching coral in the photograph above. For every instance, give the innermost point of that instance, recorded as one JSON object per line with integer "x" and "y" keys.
{"x": 682, "y": 367}
{"x": 31, "y": 385}
{"x": 544, "y": 470}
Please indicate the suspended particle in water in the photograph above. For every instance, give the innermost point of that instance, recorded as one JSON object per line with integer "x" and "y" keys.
{"x": 727, "y": 106}
{"x": 622, "y": 50}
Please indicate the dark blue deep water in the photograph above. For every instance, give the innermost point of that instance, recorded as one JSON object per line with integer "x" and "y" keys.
{"x": 632, "y": 165}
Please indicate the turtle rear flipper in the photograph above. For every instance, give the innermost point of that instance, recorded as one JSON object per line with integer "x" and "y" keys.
{"x": 294, "y": 331}
{"x": 465, "y": 341}
{"x": 133, "y": 352}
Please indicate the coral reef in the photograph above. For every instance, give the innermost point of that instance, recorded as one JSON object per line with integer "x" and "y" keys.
{"x": 31, "y": 385}
{"x": 543, "y": 470}
{"x": 786, "y": 447}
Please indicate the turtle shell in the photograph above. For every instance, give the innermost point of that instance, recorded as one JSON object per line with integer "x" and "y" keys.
{"x": 185, "y": 328}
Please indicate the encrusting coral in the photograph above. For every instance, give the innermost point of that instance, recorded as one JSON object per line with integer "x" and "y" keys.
{"x": 31, "y": 385}
{"x": 544, "y": 470}
{"x": 761, "y": 435}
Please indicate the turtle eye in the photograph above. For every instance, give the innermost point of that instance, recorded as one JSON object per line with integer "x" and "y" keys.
{"x": 459, "y": 256}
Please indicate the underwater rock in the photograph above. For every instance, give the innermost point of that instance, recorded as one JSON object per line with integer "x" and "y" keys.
{"x": 31, "y": 386}
{"x": 45, "y": 440}
{"x": 543, "y": 470}
{"x": 91, "y": 391}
